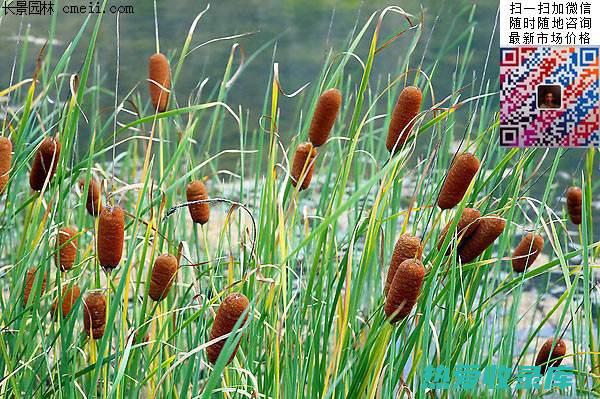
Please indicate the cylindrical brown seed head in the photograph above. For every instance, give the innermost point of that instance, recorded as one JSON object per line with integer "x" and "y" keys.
{"x": 200, "y": 212}
{"x": 551, "y": 357}
{"x": 66, "y": 248}
{"x": 69, "y": 298}
{"x": 29, "y": 280}
{"x": 574, "y": 197}
{"x": 490, "y": 228}
{"x": 159, "y": 72}
{"x": 5, "y": 160}
{"x": 407, "y": 247}
{"x": 403, "y": 117}
{"x": 324, "y": 117}
{"x": 527, "y": 251}
{"x": 232, "y": 308}
{"x": 163, "y": 275}
{"x": 44, "y": 163}
{"x": 463, "y": 170}
{"x": 303, "y": 165}
{"x": 111, "y": 234}
{"x": 94, "y": 314}
{"x": 467, "y": 224}
{"x": 405, "y": 290}
{"x": 93, "y": 202}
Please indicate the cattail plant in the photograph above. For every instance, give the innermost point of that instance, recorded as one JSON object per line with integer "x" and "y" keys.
{"x": 93, "y": 202}
{"x": 5, "y": 161}
{"x": 94, "y": 315}
{"x": 44, "y": 163}
{"x": 69, "y": 298}
{"x": 163, "y": 275}
{"x": 66, "y": 248}
{"x": 111, "y": 234}
{"x": 527, "y": 251}
{"x": 574, "y": 197}
{"x": 303, "y": 165}
{"x": 160, "y": 74}
{"x": 407, "y": 247}
{"x": 200, "y": 212}
{"x": 229, "y": 312}
{"x": 29, "y": 280}
{"x": 462, "y": 171}
{"x": 404, "y": 290}
{"x": 467, "y": 224}
{"x": 490, "y": 228}
{"x": 403, "y": 118}
{"x": 551, "y": 354}
{"x": 324, "y": 117}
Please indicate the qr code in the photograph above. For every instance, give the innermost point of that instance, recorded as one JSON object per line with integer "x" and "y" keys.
{"x": 549, "y": 97}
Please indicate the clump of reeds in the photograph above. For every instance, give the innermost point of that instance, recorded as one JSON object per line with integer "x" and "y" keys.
{"x": 200, "y": 212}
{"x": 159, "y": 72}
{"x": 163, "y": 275}
{"x": 111, "y": 235}
{"x": 69, "y": 298}
{"x": 45, "y": 163}
{"x": 551, "y": 354}
{"x": 229, "y": 312}
{"x": 467, "y": 224}
{"x": 574, "y": 198}
{"x": 5, "y": 161}
{"x": 66, "y": 248}
{"x": 404, "y": 290}
{"x": 94, "y": 315}
{"x": 527, "y": 251}
{"x": 29, "y": 280}
{"x": 324, "y": 116}
{"x": 403, "y": 117}
{"x": 489, "y": 229}
{"x": 462, "y": 171}
{"x": 303, "y": 165}
{"x": 93, "y": 202}
{"x": 407, "y": 247}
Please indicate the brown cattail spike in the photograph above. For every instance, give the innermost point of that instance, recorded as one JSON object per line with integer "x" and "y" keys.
{"x": 163, "y": 275}
{"x": 111, "y": 234}
{"x": 303, "y": 165}
{"x": 407, "y": 247}
{"x": 94, "y": 315}
{"x": 574, "y": 198}
{"x": 463, "y": 170}
{"x": 29, "y": 280}
{"x": 527, "y": 251}
{"x": 549, "y": 356}
{"x": 200, "y": 212}
{"x": 68, "y": 300}
{"x": 467, "y": 224}
{"x": 159, "y": 72}
{"x": 5, "y": 161}
{"x": 490, "y": 228}
{"x": 44, "y": 163}
{"x": 404, "y": 290}
{"x": 66, "y": 248}
{"x": 403, "y": 118}
{"x": 232, "y": 308}
{"x": 93, "y": 202}
{"x": 324, "y": 117}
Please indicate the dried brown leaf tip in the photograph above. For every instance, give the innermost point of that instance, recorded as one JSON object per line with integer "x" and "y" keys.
{"x": 29, "y": 280}
{"x": 461, "y": 173}
{"x": 527, "y": 251}
{"x": 324, "y": 117}
{"x": 574, "y": 199}
{"x": 163, "y": 276}
{"x": 303, "y": 165}
{"x": 489, "y": 229}
{"x": 467, "y": 224}
{"x": 407, "y": 247}
{"x": 66, "y": 248}
{"x": 404, "y": 290}
{"x": 111, "y": 235}
{"x": 45, "y": 163}
{"x": 5, "y": 161}
{"x": 159, "y": 72}
{"x": 200, "y": 212}
{"x": 229, "y": 312}
{"x": 94, "y": 314}
{"x": 403, "y": 118}
{"x": 93, "y": 202}
{"x": 68, "y": 300}
{"x": 551, "y": 354}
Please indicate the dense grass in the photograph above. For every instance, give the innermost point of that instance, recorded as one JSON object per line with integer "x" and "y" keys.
{"x": 313, "y": 264}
